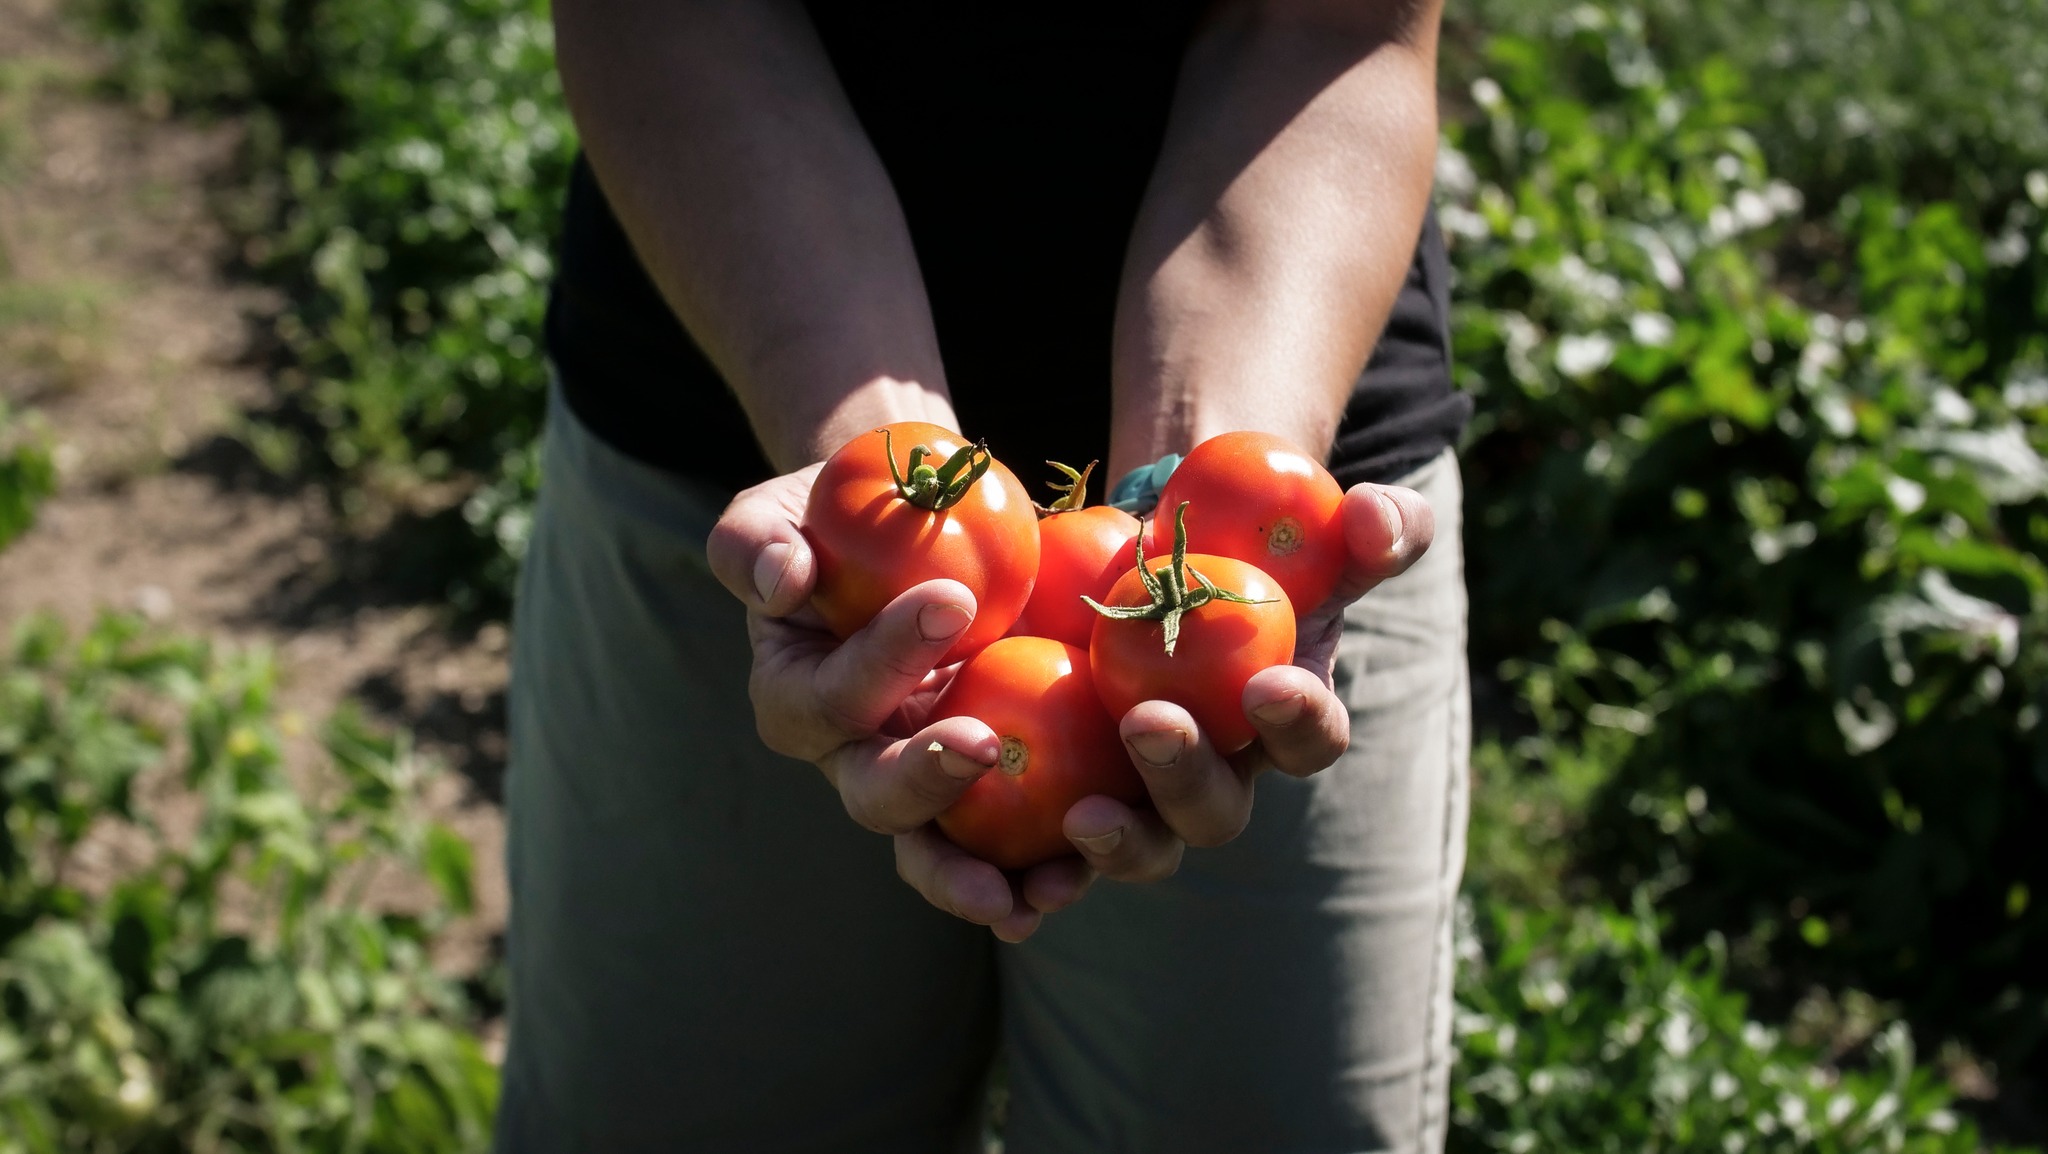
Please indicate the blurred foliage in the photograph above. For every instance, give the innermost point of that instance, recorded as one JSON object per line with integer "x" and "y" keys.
{"x": 1578, "y": 1031}
{"x": 409, "y": 157}
{"x": 1934, "y": 100}
{"x": 27, "y": 474}
{"x": 206, "y": 976}
{"x": 1766, "y": 576}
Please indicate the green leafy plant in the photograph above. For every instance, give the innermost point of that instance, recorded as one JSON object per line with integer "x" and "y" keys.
{"x": 1914, "y": 96}
{"x": 1578, "y": 1031}
{"x": 1760, "y": 559}
{"x": 27, "y": 475}
{"x": 411, "y": 158}
{"x": 186, "y": 958}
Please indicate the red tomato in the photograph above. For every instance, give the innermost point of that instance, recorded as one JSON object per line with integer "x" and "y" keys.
{"x": 873, "y": 539}
{"x": 1080, "y": 554}
{"x": 1221, "y": 644}
{"x": 1058, "y": 747}
{"x": 1259, "y": 498}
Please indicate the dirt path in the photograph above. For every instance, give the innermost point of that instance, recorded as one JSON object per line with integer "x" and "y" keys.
{"x": 118, "y": 326}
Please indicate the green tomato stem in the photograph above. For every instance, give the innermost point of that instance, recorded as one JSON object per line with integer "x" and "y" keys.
{"x": 1171, "y": 598}
{"x": 1073, "y": 494}
{"x": 942, "y": 486}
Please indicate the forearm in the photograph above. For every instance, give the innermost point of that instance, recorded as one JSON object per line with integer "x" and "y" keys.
{"x": 1279, "y": 225}
{"x": 737, "y": 168}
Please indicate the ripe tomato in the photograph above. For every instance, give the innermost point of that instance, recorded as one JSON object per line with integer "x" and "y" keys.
{"x": 1081, "y": 550}
{"x": 1259, "y": 498}
{"x": 1058, "y": 747}
{"x": 880, "y": 524}
{"x": 1220, "y": 644}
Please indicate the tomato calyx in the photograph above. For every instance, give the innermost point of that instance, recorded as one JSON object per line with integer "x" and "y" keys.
{"x": 1073, "y": 494}
{"x": 1172, "y": 599}
{"x": 941, "y": 486}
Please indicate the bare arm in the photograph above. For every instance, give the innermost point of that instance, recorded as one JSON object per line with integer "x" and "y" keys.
{"x": 728, "y": 150}
{"x": 1277, "y": 230}
{"x": 730, "y": 154}
{"x": 1279, "y": 224}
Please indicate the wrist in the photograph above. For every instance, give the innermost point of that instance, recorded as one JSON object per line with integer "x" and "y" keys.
{"x": 1205, "y": 347}
{"x": 881, "y": 401}
{"x": 797, "y": 431}
{"x": 1172, "y": 414}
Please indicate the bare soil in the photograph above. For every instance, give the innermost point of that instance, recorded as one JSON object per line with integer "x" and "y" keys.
{"x": 121, "y": 327}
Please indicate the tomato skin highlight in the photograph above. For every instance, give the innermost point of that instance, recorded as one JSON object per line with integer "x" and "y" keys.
{"x": 1222, "y": 643}
{"x": 871, "y": 543}
{"x": 1261, "y": 499}
{"x": 1058, "y": 747}
{"x": 1081, "y": 552}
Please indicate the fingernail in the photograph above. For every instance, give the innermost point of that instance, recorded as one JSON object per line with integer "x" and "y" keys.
{"x": 1102, "y": 843}
{"x": 941, "y": 622}
{"x": 1281, "y": 712}
{"x": 957, "y": 764}
{"x": 1395, "y": 523}
{"x": 768, "y": 570}
{"x": 1160, "y": 748}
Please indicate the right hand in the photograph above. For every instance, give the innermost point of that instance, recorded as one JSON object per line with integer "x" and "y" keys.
{"x": 857, "y": 709}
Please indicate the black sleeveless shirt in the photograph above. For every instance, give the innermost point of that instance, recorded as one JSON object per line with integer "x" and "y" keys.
{"x": 1019, "y": 144}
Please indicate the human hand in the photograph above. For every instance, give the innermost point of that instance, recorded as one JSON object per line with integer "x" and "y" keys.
{"x": 1204, "y": 798}
{"x": 857, "y": 709}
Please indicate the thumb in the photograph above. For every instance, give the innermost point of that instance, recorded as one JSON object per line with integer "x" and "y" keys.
{"x": 1386, "y": 529}
{"x": 757, "y": 551}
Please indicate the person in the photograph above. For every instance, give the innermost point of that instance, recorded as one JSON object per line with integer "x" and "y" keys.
{"x": 1081, "y": 231}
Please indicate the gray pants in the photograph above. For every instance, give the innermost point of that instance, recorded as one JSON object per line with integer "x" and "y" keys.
{"x": 707, "y": 954}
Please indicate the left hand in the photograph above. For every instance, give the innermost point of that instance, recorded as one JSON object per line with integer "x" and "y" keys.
{"x": 1204, "y": 798}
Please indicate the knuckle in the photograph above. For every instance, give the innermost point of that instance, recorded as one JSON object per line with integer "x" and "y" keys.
{"x": 836, "y": 714}
{"x": 771, "y": 736}
{"x": 872, "y": 809}
{"x": 1308, "y": 751}
{"x": 1217, "y": 829}
{"x": 1299, "y": 769}
{"x": 1149, "y": 859}
{"x": 1159, "y": 867}
{"x": 722, "y": 544}
{"x": 945, "y": 890}
{"x": 1172, "y": 791}
{"x": 775, "y": 737}
{"x": 779, "y": 737}
{"x": 906, "y": 664}
{"x": 771, "y": 722}
{"x": 726, "y": 532}
{"x": 855, "y": 793}
{"x": 1287, "y": 757}
{"x": 866, "y": 814}
{"x": 1310, "y": 759}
